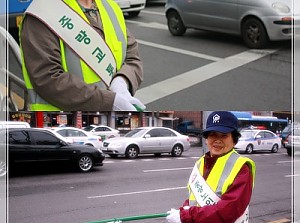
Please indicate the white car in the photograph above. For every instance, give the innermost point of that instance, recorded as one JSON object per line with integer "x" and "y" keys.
{"x": 79, "y": 136}
{"x": 131, "y": 7}
{"x": 104, "y": 131}
{"x": 256, "y": 140}
{"x": 147, "y": 140}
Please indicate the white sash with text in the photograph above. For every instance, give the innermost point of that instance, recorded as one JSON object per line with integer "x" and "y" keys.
{"x": 206, "y": 196}
{"x": 77, "y": 34}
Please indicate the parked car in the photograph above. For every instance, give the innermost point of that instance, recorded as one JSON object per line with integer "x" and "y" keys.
{"x": 256, "y": 21}
{"x": 104, "y": 131}
{"x": 147, "y": 140}
{"x": 79, "y": 136}
{"x": 188, "y": 128}
{"x": 37, "y": 145}
{"x": 258, "y": 140}
{"x": 131, "y": 7}
{"x": 288, "y": 131}
{"x": 292, "y": 144}
{"x": 285, "y": 133}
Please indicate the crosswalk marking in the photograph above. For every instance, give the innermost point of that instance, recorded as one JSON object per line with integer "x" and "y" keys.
{"x": 284, "y": 220}
{"x": 181, "y": 51}
{"x": 190, "y": 78}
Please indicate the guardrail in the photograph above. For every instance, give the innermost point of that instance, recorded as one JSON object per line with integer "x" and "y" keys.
{"x": 7, "y": 78}
{"x": 130, "y": 218}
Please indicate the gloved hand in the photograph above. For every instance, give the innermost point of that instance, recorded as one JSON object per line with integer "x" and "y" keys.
{"x": 119, "y": 86}
{"x": 122, "y": 104}
{"x": 174, "y": 216}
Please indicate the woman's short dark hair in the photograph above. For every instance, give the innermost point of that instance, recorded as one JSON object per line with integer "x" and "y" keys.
{"x": 235, "y": 135}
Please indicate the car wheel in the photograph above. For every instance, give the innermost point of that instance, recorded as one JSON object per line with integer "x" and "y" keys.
{"x": 249, "y": 149}
{"x": 254, "y": 34}
{"x": 132, "y": 152}
{"x": 85, "y": 163}
{"x": 3, "y": 169}
{"x": 275, "y": 148}
{"x": 177, "y": 150}
{"x": 175, "y": 24}
{"x": 133, "y": 14}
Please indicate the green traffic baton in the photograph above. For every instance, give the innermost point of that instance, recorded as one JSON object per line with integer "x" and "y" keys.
{"x": 130, "y": 218}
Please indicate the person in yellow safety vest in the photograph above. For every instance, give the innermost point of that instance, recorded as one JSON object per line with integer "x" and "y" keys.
{"x": 221, "y": 183}
{"x": 56, "y": 76}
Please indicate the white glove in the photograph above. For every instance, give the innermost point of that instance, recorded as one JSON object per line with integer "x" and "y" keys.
{"x": 122, "y": 104}
{"x": 119, "y": 86}
{"x": 174, "y": 216}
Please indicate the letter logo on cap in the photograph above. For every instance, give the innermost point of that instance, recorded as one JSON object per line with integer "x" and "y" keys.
{"x": 216, "y": 118}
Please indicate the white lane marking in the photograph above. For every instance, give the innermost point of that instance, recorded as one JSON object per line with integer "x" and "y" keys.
{"x": 180, "y": 82}
{"x": 183, "y": 158}
{"x": 294, "y": 175}
{"x": 288, "y": 161}
{"x": 147, "y": 160}
{"x": 173, "y": 169}
{"x": 128, "y": 161}
{"x": 137, "y": 192}
{"x": 152, "y": 13}
{"x": 108, "y": 161}
{"x": 177, "y": 50}
{"x": 165, "y": 159}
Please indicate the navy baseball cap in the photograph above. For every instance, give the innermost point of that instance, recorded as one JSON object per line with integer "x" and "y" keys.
{"x": 221, "y": 121}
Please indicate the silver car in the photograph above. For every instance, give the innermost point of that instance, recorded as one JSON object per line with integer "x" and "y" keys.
{"x": 147, "y": 140}
{"x": 257, "y": 21}
{"x": 293, "y": 142}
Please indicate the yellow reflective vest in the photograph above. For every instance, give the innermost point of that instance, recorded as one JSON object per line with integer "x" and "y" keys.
{"x": 223, "y": 173}
{"x": 114, "y": 28}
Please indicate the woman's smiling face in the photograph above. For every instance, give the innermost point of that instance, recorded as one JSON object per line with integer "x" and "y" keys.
{"x": 219, "y": 143}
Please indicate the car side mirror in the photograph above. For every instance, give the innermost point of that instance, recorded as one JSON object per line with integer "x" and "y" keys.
{"x": 258, "y": 137}
{"x": 147, "y": 136}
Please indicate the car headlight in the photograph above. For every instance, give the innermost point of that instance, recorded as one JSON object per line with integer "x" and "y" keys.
{"x": 281, "y": 7}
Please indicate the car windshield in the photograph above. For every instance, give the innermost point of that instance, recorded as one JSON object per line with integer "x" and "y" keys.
{"x": 247, "y": 134}
{"x": 135, "y": 133}
{"x": 88, "y": 128}
{"x": 287, "y": 129}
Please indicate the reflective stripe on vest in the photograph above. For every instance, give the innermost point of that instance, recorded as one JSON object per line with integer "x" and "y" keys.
{"x": 223, "y": 173}
{"x": 113, "y": 23}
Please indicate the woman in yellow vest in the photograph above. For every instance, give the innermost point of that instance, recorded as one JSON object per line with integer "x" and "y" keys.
{"x": 221, "y": 183}
{"x": 58, "y": 77}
